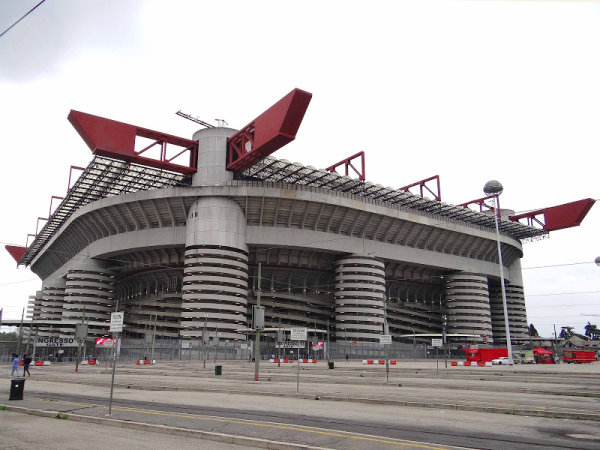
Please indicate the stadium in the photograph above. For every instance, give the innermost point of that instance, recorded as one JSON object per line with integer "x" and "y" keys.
{"x": 183, "y": 235}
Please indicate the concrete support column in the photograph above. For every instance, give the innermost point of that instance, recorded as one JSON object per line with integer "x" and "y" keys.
{"x": 215, "y": 275}
{"x": 89, "y": 292}
{"x": 212, "y": 147}
{"x": 515, "y": 305}
{"x": 359, "y": 292}
{"x": 51, "y": 307}
{"x": 468, "y": 306}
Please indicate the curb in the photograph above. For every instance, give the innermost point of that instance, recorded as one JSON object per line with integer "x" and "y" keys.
{"x": 374, "y": 401}
{"x": 175, "y": 431}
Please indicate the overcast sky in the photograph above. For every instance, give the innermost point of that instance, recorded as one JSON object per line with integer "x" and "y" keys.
{"x": 467, "y": 90}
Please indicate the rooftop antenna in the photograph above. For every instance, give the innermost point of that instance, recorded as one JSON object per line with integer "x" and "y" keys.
{"x": 221, "y": 123}
{"x": 194, "y": 119}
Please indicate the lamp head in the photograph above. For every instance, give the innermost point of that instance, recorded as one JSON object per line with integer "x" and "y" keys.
{"x": 493, "y": 187}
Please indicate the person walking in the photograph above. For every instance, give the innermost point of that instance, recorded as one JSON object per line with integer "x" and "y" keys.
{"x": 26, "y": 364}
{"x": 15, "y": 365}
{"x": 347, "y": 358}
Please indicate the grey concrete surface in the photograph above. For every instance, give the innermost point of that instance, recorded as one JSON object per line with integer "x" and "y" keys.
{"x": 445, "y": 408}
{"x": 19, "y": 432}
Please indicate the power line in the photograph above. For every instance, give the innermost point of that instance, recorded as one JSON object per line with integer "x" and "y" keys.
{"x": 557, "y": 265}
{"x": 561, "y": 293}
{"x": 28, "y": 12}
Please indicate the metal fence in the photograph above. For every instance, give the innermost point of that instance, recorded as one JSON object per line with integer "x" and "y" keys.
{"x": 178, "y": 349}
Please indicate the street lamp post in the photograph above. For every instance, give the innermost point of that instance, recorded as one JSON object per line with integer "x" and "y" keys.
{"x": 494, "y": 188}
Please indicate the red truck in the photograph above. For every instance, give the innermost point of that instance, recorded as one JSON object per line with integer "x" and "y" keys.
{"x": 578, "y": 356}
{"x": 484, "y": 354}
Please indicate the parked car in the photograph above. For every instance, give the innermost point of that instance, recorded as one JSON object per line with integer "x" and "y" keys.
{"x": 503, "y": 360}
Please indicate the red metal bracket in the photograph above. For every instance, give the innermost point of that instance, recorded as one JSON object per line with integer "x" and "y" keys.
{"x": 28, "y": 236}
{"x": 557, "y": 217}
{"x": 15, "y": 251}
{"x": 37, "y": 225}
{"x": 54, "y": 197}
{"x": 348, "y": 164}
{"x": 270, "y": 131}
{"x": 116, "y": 140}
{"x": 423, "y": 187}
{"x": 483, "y": 206}
{"x": 71, "y": 173}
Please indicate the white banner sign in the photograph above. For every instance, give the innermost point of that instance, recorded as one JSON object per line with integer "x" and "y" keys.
{"x": 116, "y": 322}
{"x": 105, "y": 342}
{"x": 436, "y": 342}
{"x": 291, "y": 344}
{"x": 298, "y": 334}
{"x": 55, "y": 342}
{"x": 385, "y": 339}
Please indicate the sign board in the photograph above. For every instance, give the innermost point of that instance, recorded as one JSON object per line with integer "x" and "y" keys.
{"x": 116, "y": 322}
{"x": 258, "y": 317}
{"x": 81, "y": 330}
{"x": 280, "y": 336}
{"x": 385, "y": 339}
{"x": 291, "y": 344}
{"x": 298, "y": 334}
{"x": 317, "y": 345}
{"x": 436, "y": 342}
{"x": 105, "y": 342}
{"x": 55, "y": 342}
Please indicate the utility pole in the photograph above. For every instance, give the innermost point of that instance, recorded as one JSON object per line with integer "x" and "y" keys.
{"x": 555, "y": 340}
{"x": 20, "y": 332}
{"x": 386, "y": 331}
{"x": 256, "y": 328}
{"x": 154, "y": 337}
{"x": 327, "y": 342}
{"x": 445, "y": 319}
{"x": 204, "y": 340}
{"x": 80, "y": 335}
{"x": 280, "y": 341}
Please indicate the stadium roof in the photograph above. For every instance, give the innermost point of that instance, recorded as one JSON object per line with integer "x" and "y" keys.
{"x": 280, "y": 170}
{"x": 103, "y": 177}
{"x": 106, "y": 177}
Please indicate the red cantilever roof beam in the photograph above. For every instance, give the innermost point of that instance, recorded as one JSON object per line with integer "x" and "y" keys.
{"x": 116, "y": 140}
{"x": 423, "y": 187}
{"x": 270, "y": 131}
{"x": 557, "y": 217}
{"x": 348, "y": 164}
{"x": 15, "y": 251}
{"x": 482, "y": 204}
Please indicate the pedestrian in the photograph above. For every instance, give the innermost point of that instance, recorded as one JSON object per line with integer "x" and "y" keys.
{"x": 26, "y": 363}
{"x": 15, "y": 365}
{"x": 347, "y": 361}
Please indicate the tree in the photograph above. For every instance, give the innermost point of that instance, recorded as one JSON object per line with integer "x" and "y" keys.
{"x": 532, "y": 331}
{"x": 8, "y": 337}
{"x": 566, "y": 332}
{"x": 592, "y": 331}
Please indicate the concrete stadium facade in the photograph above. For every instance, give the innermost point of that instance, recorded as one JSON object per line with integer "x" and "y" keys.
{"x": 185, "y": 257}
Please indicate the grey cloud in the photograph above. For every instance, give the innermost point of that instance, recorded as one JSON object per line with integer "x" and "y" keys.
{"x": 59, "y": 31}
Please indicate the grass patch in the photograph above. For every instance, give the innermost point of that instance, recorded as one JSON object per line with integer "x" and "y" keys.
{"x": 507, "y": 412}
{"x": 62, "y": 416}
{"x": 3, "y": 408}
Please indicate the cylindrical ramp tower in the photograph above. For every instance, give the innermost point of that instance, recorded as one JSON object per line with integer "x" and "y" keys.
{"x": 89, "y": 296}
{"x": 359, "y": 292}
{"x": 517, "y": 314}
{"x": 51, "y": 308}
{"x": 215, "y": 275}
{"x": 468, "y": 306}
